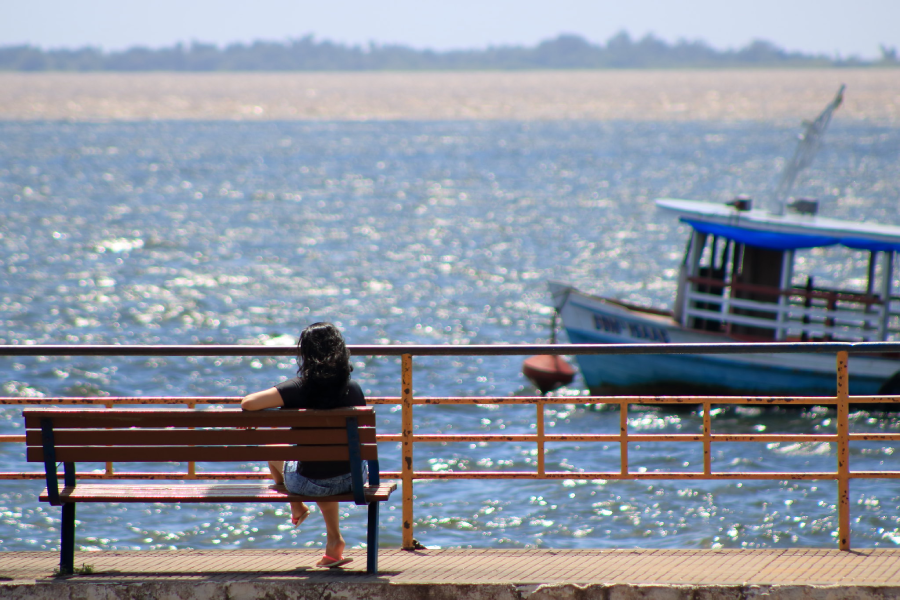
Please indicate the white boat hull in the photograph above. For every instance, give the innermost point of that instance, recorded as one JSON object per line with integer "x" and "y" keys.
{"x": 592, "y": 320}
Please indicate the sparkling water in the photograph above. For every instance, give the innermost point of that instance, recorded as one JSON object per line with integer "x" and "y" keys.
{"x": 196, "y": 232}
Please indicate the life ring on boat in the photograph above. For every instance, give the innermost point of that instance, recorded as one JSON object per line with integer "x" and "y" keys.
{"x": 891, "y": 387}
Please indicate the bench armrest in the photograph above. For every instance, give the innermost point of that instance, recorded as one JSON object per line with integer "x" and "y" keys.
{"x": 356, "y": 474}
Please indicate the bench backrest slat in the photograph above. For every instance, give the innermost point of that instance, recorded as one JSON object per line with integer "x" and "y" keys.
{"x": 182, "y": 435}
{"x": 144, "y": 454}
{"x": 119, "y": 418}
{"x": 198, "y": 437}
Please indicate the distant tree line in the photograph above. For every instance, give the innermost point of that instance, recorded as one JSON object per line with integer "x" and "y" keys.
{"x": 308, "y": 54}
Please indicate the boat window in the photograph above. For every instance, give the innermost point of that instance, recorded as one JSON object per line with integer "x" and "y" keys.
{"x": 716, "y": 258}
{"x": 834, "y": 267}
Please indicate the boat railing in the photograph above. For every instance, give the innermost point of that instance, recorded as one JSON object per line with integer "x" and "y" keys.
{"x": 410, "y": 435}
{"x": 830, "y": 295}
{"x": 806, "y": 314}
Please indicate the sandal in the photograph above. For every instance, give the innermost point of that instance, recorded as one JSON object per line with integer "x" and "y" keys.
{"x": 333, "y": 562}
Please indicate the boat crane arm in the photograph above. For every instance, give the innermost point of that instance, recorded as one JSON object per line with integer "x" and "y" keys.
{"x": 810, "y": 140}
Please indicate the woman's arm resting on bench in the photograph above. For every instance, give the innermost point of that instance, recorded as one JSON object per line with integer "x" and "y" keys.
{"x": 269, "y": 398}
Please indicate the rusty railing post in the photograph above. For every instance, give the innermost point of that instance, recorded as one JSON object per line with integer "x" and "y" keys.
{"x": 192, "y": 466}
{"x": 109, "y": 463}
{"x": 843, "y": 451}
{"x": 406, "y": 434}
{"x": 623, "y": 436}
{"x": 707, "y": 439}
{"x": 540, "y": 438}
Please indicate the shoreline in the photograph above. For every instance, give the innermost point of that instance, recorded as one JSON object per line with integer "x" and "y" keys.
{"x": 872, "y": 95}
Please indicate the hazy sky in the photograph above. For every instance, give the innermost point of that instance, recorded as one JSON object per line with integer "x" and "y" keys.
{"x": 814, "y": 26}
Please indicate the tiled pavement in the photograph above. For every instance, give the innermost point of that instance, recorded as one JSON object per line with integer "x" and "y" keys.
{"x": 811, "y": 567}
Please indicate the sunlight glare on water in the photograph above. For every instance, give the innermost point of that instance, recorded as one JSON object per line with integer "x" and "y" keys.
{"x": 411, "y": 232}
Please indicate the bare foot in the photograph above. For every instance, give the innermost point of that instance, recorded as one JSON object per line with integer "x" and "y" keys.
{"x": 299, "y": 512}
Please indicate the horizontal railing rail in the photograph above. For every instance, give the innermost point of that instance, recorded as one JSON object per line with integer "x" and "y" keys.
{"x": 407, "y": 400}
{"x": 454, "y": 350}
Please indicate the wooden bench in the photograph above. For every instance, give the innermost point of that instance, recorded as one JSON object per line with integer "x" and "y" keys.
{"x": 89, "y": 435}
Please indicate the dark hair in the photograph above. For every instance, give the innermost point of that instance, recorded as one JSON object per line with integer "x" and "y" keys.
{"x": 324, "y": 361}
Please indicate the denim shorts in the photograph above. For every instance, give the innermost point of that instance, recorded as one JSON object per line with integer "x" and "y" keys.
{"x": 303, "y": 486}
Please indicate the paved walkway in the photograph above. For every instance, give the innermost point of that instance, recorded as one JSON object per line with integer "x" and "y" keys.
{"x": 805, "y": 567}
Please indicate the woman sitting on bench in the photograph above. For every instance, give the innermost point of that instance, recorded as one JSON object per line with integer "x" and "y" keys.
{"x": 322, "y": 382}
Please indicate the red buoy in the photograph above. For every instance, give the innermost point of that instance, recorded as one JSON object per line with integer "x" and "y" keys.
{"x": 547, "y": 371}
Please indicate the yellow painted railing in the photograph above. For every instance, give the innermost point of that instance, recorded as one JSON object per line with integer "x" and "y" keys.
{"x": 408, "y": 439}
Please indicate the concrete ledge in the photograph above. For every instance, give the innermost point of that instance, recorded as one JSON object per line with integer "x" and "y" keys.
{"x": 157, "y": 590}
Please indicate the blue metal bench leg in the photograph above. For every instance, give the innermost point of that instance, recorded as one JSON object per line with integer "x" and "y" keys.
{"x": 67, "y": 539}
{"x": 372, "y": 539}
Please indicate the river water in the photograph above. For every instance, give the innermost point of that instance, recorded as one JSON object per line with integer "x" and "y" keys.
{"x": 430, "y": 232}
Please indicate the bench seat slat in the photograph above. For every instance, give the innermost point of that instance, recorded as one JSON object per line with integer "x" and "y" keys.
{"x": 198, "y": 437}
{"x": 201, "y": 453}
{"x": 118, "y": 418}
{"x": 195, "y": 492}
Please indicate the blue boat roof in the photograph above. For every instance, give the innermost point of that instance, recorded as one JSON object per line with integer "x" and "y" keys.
{"x": 789, "y": 231}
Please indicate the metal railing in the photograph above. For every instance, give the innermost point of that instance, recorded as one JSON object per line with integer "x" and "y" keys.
{"x": 407, "y": 400}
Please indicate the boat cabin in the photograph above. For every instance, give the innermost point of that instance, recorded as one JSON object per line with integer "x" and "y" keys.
{"x": 739, "y": 276}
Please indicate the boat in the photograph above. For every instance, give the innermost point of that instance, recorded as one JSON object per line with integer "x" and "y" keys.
{"x": 740, "y": 282}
